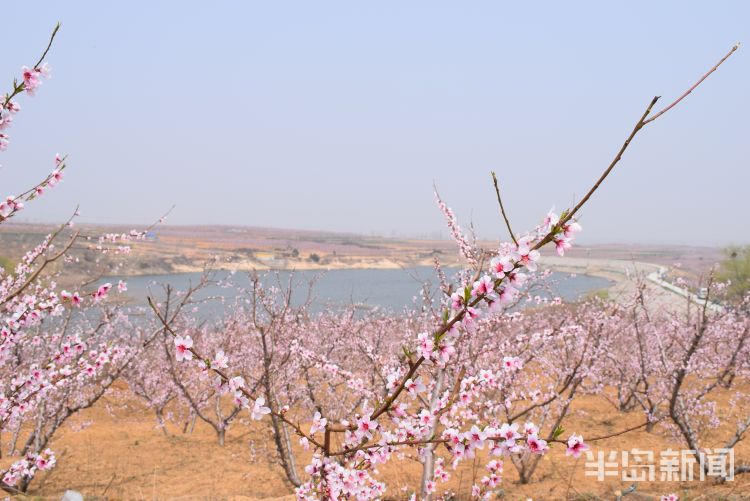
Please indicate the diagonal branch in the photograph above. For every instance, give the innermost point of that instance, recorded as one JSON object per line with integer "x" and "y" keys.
{"x": 615, "y": 161}
{"x": 696, "y": 84}
{"x": 640, "y": 125}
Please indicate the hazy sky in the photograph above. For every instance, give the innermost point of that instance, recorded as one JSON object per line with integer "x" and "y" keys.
{"x": 340, "y": 115}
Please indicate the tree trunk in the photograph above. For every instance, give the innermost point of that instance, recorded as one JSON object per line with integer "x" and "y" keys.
{"x": 160, "y": 421}
{"x": 428, "y": 466}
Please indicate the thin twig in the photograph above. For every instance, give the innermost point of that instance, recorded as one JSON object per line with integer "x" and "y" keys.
{"x": 109, "y": 484}
{"x": 51, "y": 39}
{"x": 502, "y": 209}
{"x": 691, "y": 89}
{"x": 621, "y": 432}
{"x": 160, "y": 220}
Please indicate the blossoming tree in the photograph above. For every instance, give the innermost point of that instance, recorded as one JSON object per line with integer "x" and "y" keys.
{"x": 60, "y": 350}
{"x": 428, "y": 390}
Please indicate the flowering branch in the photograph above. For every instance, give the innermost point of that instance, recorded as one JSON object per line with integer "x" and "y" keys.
{"x": 259, "y": 401}
{"x": 24, "y": 86}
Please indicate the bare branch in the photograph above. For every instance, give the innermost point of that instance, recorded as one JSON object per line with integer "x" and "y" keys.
{"x": 502, "y": 209}
{"x": 696, "y": 84}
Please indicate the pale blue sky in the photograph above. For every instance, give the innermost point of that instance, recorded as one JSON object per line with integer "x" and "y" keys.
{"x": 339, "y": 115}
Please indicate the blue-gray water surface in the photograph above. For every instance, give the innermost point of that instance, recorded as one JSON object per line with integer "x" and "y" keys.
{"x": 388, "y": 289}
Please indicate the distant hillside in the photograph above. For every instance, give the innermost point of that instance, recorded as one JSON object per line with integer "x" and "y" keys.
{"x": 172, "y": 249}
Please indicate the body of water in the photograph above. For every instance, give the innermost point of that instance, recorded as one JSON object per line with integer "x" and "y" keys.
{"x": 391, "y": 289}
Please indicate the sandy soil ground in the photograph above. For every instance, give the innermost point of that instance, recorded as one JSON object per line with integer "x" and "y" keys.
{"x": 123, "y": 455}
